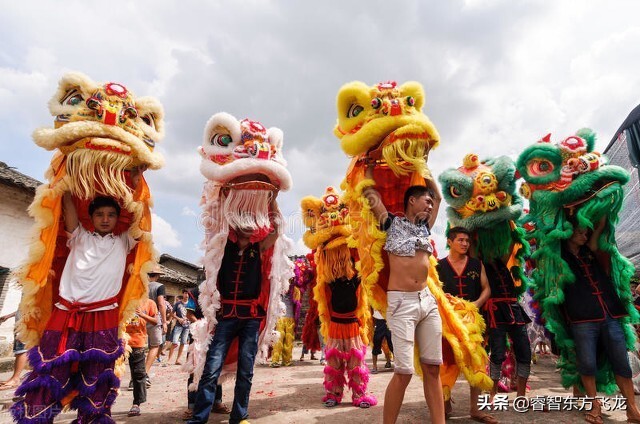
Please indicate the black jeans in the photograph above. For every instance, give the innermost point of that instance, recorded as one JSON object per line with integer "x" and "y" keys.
{"x": 138, "y": 374}
{"x": 520, "y": 345}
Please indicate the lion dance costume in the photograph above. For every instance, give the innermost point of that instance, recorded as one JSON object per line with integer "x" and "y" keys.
{"x": 286, "y": 326}
{"x": 342, "y": 303}
{"x": 311, "y": 327}
{"x": 385, "y": 123}
{"x": 563, "y": 180}
{"x": 101, "y": 132}
{"x": 482, "y": 198}
{"x": 237, "y": 156}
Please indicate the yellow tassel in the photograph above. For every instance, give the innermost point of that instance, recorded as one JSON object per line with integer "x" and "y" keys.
{"x": 98, "y": 172}
{"x": 406, "y": 156}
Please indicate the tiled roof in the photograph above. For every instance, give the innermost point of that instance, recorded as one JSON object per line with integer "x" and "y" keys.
{"x": 10, "y": 176}
{"x": 177, "y": 277}
{"x": 166, "y": 256}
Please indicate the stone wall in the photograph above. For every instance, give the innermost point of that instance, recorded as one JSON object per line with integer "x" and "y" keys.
{"x": 15, "y": 228}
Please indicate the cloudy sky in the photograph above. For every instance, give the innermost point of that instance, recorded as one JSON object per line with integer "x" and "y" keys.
{"x": 498, "y": 74}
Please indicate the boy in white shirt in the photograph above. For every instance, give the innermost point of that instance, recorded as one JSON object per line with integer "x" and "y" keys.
{"x": 80, "y": 344}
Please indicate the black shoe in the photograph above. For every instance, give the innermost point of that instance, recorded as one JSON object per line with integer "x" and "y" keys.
{"x": 148, "y": 382}
{"x": 130, "y": 387}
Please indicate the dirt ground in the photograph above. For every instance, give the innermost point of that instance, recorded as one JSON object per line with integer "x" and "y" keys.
{"x": 293, "y": 394}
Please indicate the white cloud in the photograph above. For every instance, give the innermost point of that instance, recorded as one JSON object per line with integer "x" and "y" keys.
{"x": 163, "y": 234}
{"x": 300, "y": 248}
{"x": 187, "y": 211}
{"x": 497, "y": 74}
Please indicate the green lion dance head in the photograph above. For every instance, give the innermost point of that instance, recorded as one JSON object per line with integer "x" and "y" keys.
{"x": 482, "y": 198}
{"x": 569, "y": 182}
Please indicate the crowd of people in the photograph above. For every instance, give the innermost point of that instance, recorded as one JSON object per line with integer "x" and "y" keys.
{"x": 157, "y": 327}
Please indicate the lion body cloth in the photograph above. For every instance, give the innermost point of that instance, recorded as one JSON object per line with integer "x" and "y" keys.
{"x": 570, "y": 180}
{"x": 343, "y": 307}
{"x": 482, "y": 198}
{"x": 237, "y": 158}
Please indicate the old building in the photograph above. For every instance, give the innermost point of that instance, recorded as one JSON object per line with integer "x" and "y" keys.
{"x": 16, "y": 191}
{"x": 178, "y": 275}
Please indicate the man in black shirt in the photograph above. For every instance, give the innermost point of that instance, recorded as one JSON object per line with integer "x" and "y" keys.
{"x": 464, "y": 277}
{"x": 593, "y": 311}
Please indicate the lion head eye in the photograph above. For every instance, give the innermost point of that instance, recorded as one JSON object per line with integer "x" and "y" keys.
{"x": 131, "y": 112}
{"x": 149, "y": 120}
{"x": 455, "y": 191}
{"x": 354, "y": 110}
{"x": 411, "y": 101}
{"x": 222, "y": 140}
{"x": 540, "y": 167}
{"x": 376, "y": 103}
{"x": 73, "y": 98}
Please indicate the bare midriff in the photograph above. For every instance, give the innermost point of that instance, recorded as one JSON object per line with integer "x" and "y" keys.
{"x": 408, "y": 273}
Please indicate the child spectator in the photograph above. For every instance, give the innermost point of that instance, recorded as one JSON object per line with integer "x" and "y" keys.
{"x": 137, "y": 329}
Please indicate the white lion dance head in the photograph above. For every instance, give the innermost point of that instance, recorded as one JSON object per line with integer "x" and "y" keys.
{"x": 244, "y": 167}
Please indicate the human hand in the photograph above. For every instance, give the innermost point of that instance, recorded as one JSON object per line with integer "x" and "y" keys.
{"x": 164, "y": 328}
{"x": 136, "y": 174}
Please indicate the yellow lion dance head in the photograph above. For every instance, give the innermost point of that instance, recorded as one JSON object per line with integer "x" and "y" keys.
{"x": 386, "y": 120}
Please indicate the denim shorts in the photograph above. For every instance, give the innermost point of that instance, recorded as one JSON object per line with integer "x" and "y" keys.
{"x": 179, "y": 335}
{"x": 18, "y": 346}
{"x": 413, "y": 317}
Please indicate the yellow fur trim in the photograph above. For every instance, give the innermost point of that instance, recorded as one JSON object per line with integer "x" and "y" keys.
{"x": 283, "y": 348}
{"x": 366, "y": 232}
{"x": 462, "y": 327}
{"x": 332, "y": 264}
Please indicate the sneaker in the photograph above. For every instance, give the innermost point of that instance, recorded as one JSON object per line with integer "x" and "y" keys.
{"x": 148, "y": 382}
{"x": 388, "y": 364}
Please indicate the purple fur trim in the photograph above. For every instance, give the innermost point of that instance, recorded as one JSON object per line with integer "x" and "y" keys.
{"x": 18, "y": 412}
{"x": 370, "y": 399}
{"x": 97, "y": 355}
{"x": 106, "y": 378}
{"x": 49, "y": 382}
{"x": 42, "y": 366}
{"x": 332, "y": 396}
{"x": 85, "y": 407}
{"x": 102, "y": 419}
